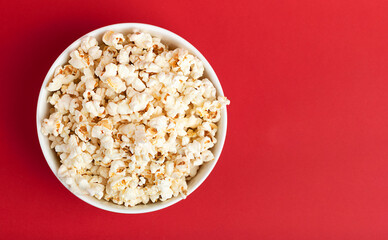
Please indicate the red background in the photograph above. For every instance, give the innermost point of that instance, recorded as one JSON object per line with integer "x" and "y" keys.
{"x": 306, "y": 155}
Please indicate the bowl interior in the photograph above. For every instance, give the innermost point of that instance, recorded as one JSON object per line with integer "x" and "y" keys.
{"x": 173, "y": 41}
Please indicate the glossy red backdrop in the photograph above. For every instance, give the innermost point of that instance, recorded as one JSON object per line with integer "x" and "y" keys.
{"x": 306, "y": 155}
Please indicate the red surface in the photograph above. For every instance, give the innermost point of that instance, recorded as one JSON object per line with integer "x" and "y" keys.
{"x": 306, "y": 155}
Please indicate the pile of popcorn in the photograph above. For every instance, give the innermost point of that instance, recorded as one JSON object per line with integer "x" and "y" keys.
{"x": 131, "y": 120}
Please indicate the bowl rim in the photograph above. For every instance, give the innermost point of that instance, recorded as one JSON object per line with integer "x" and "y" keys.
{"x": 103, "y": 204}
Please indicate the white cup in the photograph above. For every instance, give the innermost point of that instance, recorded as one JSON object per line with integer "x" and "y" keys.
{"x": 173, "y": 41}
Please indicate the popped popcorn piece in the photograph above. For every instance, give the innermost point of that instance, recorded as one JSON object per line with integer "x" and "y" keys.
{"x": 159, "y": 123}
{"x": 80, "y": 60}
{"x": 107, "y": 142}
{"x": 116, "y": 84}
{"x": 138, "y": 84}
{"x": 114, "y": 39}
{"x": 117, "y": 168}
{"x": 139, "y": 101}
{"x": 141, "y": 39}
{"x": 63, "y": 76}
{"x": 83, "y": 132}
{"x": 93, "y": 108}
{"x": 88, "y": 43}
{"x": 131, "y": 121}
{"x": 95, "y": 52}
{"x": 110, "y": 71}
{"x": 52, "y": 125}
{"x": 123, "y": 56}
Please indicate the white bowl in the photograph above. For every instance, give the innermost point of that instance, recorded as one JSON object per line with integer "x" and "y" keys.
{"x": 173, "y": 41}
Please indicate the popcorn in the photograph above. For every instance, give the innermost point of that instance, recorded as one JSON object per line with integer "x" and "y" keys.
{"x": 111, "y": 38}
{"x": 53, "y": 125}
{"x": 111, "y": 108}
{"x": 88, "y": 43}
{"x": 110, "y": 71}
{"x": 117, "y": 168}
{"x": 101, "y": 129}
{"x": 81, "y": 184}
{"x": 116, "y": 84}
{"x": 139, "y": 101}
{"x": 207, "y": 156}
{"x": 152, "y": 68}
{"x": 159, "y": 123}
{"x": 63, "y": 104}
{"x": 211, "y": 111}
{"x": 131, "y": 122}
{"x": 93, "y": 108}
{"x": 80, "y": 60}
{"x": 95, "y": 52}
{"x": 197, "y": 69}
{"x": 63, "y": 76}
{"x": 123, "y": 56}
{"x": 138, "y": 84}
{"x": 126, "y": 71}
{"x": 142, "y": 40}
{"x": 83, "y": 131}
{"x": 107, "y": 142}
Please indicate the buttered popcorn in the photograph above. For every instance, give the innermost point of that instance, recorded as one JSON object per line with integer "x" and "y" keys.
{"x": 131, "y": 120}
